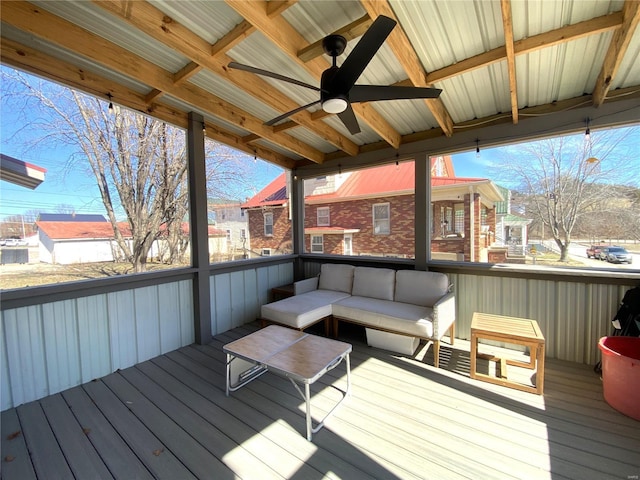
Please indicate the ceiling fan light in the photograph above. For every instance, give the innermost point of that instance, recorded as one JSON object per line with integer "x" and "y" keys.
{"x": 334, "y": 105}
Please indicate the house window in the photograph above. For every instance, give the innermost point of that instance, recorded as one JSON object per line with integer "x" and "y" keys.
{"x": 266, "y": 252}
{"x": 243, "y": 233}
{"x": 323, "y": 216}
{"x": 459, "y": 218}
{"x": 268, "y": 224}
{"x": 317, "y": 244}
{"x": 228, "y": 236}
{"x": 381, "y": 219}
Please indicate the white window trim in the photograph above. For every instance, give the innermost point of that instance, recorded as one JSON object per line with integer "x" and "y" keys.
{"x": 320, "y": 213}
{"x": 388, "y": 219}
{"x": 321, "y": 244}
{"x": 268, "y": 215}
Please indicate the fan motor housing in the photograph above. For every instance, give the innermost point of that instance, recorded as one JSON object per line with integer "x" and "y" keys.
{"x": 334, "y": 45}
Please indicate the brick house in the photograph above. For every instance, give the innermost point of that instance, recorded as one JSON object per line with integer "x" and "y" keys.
{"x": 371, "y": 212}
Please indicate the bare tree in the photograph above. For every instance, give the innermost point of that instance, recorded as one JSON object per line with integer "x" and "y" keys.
{"x": 139, "y": 165}
{"x": 565, "y": 178}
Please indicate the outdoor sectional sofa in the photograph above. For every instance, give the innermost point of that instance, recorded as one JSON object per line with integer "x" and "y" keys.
{"x": 405, "y": 302}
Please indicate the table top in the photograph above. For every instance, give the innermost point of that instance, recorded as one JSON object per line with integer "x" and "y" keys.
{"x": 506, "y": 327}
{"x": 294, "y": 353}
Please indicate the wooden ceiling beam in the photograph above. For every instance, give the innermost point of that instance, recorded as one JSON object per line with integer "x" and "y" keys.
{"x": 617, "y": 49}
{"x": 350, "y": 32}
{"x": 43, "y": 24}
{"x": 408, "y": 58}
{"x": 276, "y": 7}
{"x": 59, "y": 71}
{"x": 507, "y": 25}
{"x": 526, "y": 45}
{"x": 285, "y": 37}
{"x": 155, "y": 23}
{"x": 231, "y": 39}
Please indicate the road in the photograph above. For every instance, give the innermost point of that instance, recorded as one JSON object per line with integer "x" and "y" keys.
{"x": 579, "y": 251}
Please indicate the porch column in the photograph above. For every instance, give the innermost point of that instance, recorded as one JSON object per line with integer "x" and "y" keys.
{"x": 422, "y": 195}
{"x": 199, "y": 228}
{"x": 296, "y": 198}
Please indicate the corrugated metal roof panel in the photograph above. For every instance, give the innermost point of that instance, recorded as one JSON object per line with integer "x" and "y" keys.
{"x": 629, "y": 70}
{"x": 73, "y": 58}
{"x": 94, "y": 19}
{"x": 209, "y": 20}
{"x": 443, "y": 33}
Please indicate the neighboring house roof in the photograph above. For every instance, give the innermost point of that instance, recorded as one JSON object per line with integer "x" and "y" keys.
{"x": 20, "y": 172}
{"x": 99, "y": 230}
{"x": 511, "y": 219}
{"x": 273, "y": 194}
{"x": 502, "y": 208}
{"x": 70, "y": 217}
{"x": 81, "y": 230}
{"x": 330, "y": 230}
{"x": 384, "y": 181}
{"x": 223, "y": 202}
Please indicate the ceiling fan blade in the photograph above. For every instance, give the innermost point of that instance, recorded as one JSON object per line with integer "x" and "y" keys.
{"x": 349, "y": 120}
{"x": 273, "y": 121}
{"x": 267, "y": 73}
{"x": 372, "y": 93}
{"x": 362, "y": 54}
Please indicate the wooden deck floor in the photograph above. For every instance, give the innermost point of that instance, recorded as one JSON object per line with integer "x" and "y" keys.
{"x": 169, "y": 418}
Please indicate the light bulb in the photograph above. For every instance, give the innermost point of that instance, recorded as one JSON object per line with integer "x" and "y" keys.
{"x": 334, "y": 105}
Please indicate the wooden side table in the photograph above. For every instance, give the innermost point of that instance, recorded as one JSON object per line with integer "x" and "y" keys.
{"x": 518, "y": 331}
{"x": 285, "y": 291}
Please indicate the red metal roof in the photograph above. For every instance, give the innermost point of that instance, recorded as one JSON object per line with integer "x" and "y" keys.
{"x": 272, "y": 194}
{"x": 99, "y": 230}
{"x": 80, "y": 230}
{"x": 380, "y": 181}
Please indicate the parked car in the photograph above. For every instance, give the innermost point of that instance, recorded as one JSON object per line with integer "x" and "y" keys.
{"x": 594, "y": 251}
{"x": 618, "y": 255}
{"x": 11, "y": 242}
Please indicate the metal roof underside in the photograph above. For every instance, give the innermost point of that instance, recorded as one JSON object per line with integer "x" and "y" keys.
{"x": 498, "y": 62}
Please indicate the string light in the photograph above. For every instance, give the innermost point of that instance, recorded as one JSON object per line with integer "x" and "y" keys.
{"x": 587, "y": 138}
{"x": 204, "y": 129}
{"x": 110, "y": 108}
{"x": 477, "y": 148}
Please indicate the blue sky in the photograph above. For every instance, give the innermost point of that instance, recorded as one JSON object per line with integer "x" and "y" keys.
{"x": 63, "y": 187}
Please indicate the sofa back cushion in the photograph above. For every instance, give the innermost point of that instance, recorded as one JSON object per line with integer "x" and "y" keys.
{"x": 336, "y": 277}
{"x": 374, "y": 282}
{"x": 420, "y": 288}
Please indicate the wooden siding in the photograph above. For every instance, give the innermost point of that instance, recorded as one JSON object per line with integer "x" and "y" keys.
{"x": 54, "y": 346}
{"x": 169, "y": 418}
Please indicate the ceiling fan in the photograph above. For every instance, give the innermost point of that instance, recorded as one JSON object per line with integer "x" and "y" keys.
{"x": 337, "y": 86}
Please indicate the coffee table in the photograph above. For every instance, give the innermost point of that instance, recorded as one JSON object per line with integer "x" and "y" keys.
{"x": 301, "y": 357}
{"x": 518, "y": 331}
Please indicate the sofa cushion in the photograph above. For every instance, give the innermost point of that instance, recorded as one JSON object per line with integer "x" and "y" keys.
{"x": 420, "y": 288}
{"x": 387, "y": 314}
{"x": 303, "y": 310}
{"x": 336, "y": 277}
{"x": 374, "y": 282}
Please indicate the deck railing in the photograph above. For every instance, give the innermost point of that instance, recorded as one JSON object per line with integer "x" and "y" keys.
{"x": 52, "y": 342}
